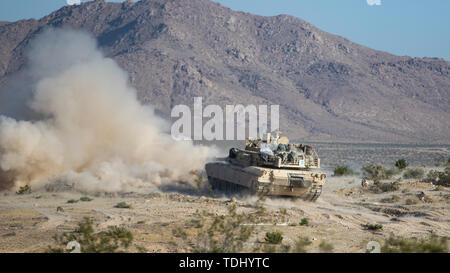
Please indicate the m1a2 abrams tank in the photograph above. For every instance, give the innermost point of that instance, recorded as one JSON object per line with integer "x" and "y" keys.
{"x": 271, "y": 167}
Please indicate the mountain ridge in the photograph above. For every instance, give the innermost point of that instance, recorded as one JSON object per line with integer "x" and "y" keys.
{"x": 328, "y": 88}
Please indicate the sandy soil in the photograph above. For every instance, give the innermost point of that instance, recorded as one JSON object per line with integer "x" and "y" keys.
{"x": 28, "y": 222}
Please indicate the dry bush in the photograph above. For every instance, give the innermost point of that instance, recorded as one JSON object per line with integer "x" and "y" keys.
{"x": 115, "y": 239}
{"x": 414, "y": 173}
{"x": 433, "y": 244}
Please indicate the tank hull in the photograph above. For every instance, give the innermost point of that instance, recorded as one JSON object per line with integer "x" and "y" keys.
{"x": 228, "y": 177}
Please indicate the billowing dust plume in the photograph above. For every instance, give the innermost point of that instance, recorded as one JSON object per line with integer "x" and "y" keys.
{"x": 88, "y": 130}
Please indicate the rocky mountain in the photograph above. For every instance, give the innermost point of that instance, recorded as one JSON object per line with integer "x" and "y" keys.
{"x": 328, "y": 88}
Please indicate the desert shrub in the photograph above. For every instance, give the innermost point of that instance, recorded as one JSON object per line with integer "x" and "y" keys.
{"x": 373, "y": 226}
{"x": 226, "y": 233}
{"x": 72, "y": 201}
{"x": 304, "y": 222}
{"x": 439, "y": 178}
{"x": 414, "y": 173}
{"x": 86, "y": 199}
{"x": 392, "y": 199}
{"x": 24, "y": 190}
{"x": 195, "y": 223}
{"x": 401, "y": 164}
{"x": 379, "y": 187}
{"x": 115, "y": 239}
{"x": 392, "y": 172}
{"x": 343, "y": 171}
{"x": 179, "y": 232}
{"x": 300, "y": 245}
{"x": 326, "y": 247}
{"x": 433, "y": 244}
{"x": 123, "y": 205}
{"x": 388, "y": 187}
{"x": 375, "y": 172}
{"x": 444, "y": 178}
{"x": 432, "y": 176}
{"x": 273, "y": 238}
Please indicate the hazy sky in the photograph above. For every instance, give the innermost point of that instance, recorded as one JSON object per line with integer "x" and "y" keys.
{"x": 404, "y": 27}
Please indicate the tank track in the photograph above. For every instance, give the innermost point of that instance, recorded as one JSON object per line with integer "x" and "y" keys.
{"x": 313, "y": 193}
{"x": 227, "y": 187}
{"x": 231, "y": 188}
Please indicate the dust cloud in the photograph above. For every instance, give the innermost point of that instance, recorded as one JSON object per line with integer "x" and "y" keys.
{"x": 88, "y": 130}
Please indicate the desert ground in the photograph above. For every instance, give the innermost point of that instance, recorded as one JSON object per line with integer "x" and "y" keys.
{"x": 28, "y": 222}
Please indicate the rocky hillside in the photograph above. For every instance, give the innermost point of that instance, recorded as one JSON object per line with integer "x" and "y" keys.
{"x": 328, "y": 88}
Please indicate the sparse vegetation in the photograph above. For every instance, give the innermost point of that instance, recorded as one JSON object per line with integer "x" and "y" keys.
{"x": 414, "y": 173}
{"x": 433, "y": 244}
{"x": 273, "y": 238}
{"x": 123, "y": 205}
{"x": 24, "y": 190}
{"x": 115, "y": 239}
{"x": 86, "y": 199}
{"x": 304, "y": 222}
{"x": 401, "y": 164}
{"x": 72, "y": 201}
{"x": 179, "y": 232}
{"x": 392, "y": 199}
{"x": 444, "y": 178}
{"x": 379, "y": 187}
{"x": 195, "y": 223}
{"x": 439, "y": 178}
{"x": 343, "y": 171}
{"x": 375, "y": 172}
{"x": 392, "y": 172}
{"x": 432, "y": 176}
{"x": 226, "y": 233}
{"x": 300, "y": 245}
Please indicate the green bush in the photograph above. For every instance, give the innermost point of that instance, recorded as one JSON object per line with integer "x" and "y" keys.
{"x": 343, "y": 171}
{"x": 72, "y": 201}
{"x": 401, "y": 164}
{"x": 414, "y": 173}
{"x": 439, "y": 178}
{"x": 123, "y": 205}
{"x": 374, "y": 226}
{"x": 433, "y": 176}
{"x": 304, "y": 222}
{"x": 86, "y": 199}
{"x": 274, "y": 238}
{"x": 444, "y": 178}
{"x": 433, "y": 244}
